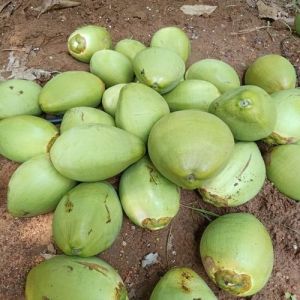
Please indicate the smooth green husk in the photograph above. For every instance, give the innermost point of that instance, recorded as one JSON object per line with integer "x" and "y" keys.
{"x": 189, "y": 146}
{"x": 287, "y": 126}
{"x": 172, "y": 38}
{"x": 23, "y": 137}
{"x": 36, "y": 188}
{"x": 139, "y": 107}
{"x": 283, "y": 164}
{"x": 237, "y": 253}
{"x": 71, "y": 89}
{"x": 159, "y": 68}
{"x": 112, "y": 67}
{"x": 84, "y": 115}
{"x": 217, "y": 72}
{"x": 182, "y": 284}
{"x": 129, "y": 47}
{"x": 271, "y": 72}
{"x": 239, "y": 181}
{"x": 148, "y": 198}
{"x": 111, "y": 97}
{"x": 192, "y": 94}
{"x": 19, "y": 97}
{"x": 94, "y": 152}
{"x": 248, "y": 111}
{"x": 69, "y": 277}
{"x": 88, "y": 219}
{"x": 86, "y": 40}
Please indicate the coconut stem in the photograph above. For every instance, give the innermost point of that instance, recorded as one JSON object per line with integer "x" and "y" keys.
{"x": 77, "y": 43}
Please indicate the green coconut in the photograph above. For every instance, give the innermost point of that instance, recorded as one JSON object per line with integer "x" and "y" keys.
{"x": 172, "y": 38}
{"x": 19, "y": 97}
{"x": 129, "y": 47}
{"x": 112, "y": 67}
{"x": 23, "y": 137}
{"x": 149, "y": 199}
{"x": 249, "y": 112}
{"x": 70, "y": 277}
{"x": 111, "y": 97}
{"x": 192, "y": 94}
{"x": 86, "y": 40}
{"x": 182, "y": 284}
{"x": 159, "y": 68}
{"x": 85, "y": 115}
{"x": 217, "y": 72}
{"x": 88, "y": 219}
{"x": 36, "y": 188}
{"x": 189, "y": 146}
{"x": 71, "y": 89}
{"x": 271, "y": 72}
{"x": 237, "y": 253}
{"x": 94, "y": 152}
{"x": 287, "y": 126}
{"x": 239, "y": 181}
{"x": 283, "y": 163}
{"x": 139, "y": 107}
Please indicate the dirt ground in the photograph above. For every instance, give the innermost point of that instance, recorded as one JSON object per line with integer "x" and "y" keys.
{"x": 42, "y": 41}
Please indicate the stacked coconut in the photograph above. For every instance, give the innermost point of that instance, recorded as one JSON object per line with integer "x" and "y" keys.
{"x": 199, "y": 129}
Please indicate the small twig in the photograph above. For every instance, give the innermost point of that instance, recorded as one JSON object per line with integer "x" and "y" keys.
{"x": 14, "y": 49}
{"x": 248, "y": 30}
{"x": 269, "y": 33}
{"x": 167, "y": 244}
{"x": 292, "y": 229}
{"x": 286, "y": 24}
{"x": 205, "y": 213}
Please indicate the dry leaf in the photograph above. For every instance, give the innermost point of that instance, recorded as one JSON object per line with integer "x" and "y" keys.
{"x": 150, "y": 259}
{"x": 16, "y": 68}
{"x": 56, "y": 4}
{"x": 273, "y": 12}
{"x": 251, "y": 3}
{"x": 198, "y": 10}
{"x": 4, "y": 5}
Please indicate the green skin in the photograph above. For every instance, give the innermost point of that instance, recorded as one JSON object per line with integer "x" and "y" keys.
{"x": 174, "y": 39}
{"x": 19, "y": 97}
{"x": 271, "y": 72}
{"x": 85, "y": 115}
{"x": 192, "y": 94}
{"x": 248, "y": 111}
{"x": 111, "y": 97}
{"x": 88, "y": 219}
{"x": 237, "y": 253}
{"x": 69, "y": 277}
{"x": 159, "y": 68}
{"x": 217, "y": 72}
{"x": 287, "y": 126}
{"x": 182, "y": 284}
{"x": 240, "y": 180}
{"x": 87, "y": 40}
{"x": 71, "y": 89}
{"x": 23, "y": 137}
{"x": 189, "y": 146}
{"x": 139, "y": 108}
{"x": 95, "y": 152}
{"x": 283, "y": 163}
{"x": 148, "y": 199}
{"x": 297, "y": 24}
{"x": 129, "y": 48}
{"x": 112, "y": 67}
{"x": 26, "y": 195}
